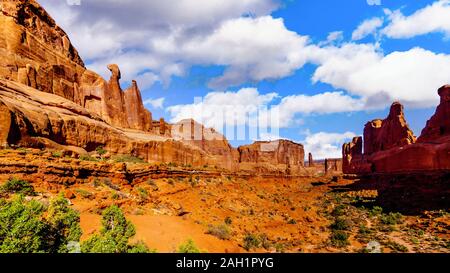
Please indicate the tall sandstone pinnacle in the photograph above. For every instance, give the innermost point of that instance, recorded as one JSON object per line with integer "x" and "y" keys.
{"x": 310, "y": 160}
{"x": 114, "y": 99}
{"x": 139, "y": 118}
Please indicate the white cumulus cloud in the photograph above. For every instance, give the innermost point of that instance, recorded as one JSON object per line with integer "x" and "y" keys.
{"x": 411, "y": 77}
{"x": 155, "y": 103}
{"x": 248, "y": 107}
{"x": 326, "y": 145}
{"x": 432, "y": 18}
{"x": 366, "y": 28}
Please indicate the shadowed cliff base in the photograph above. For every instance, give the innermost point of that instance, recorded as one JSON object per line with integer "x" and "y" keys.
{"x": 410, "y": 194}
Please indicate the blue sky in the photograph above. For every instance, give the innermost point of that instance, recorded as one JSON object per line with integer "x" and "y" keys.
{"x": 325, "y": 67}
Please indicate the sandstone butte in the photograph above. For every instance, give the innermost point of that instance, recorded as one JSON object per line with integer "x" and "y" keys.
{"x": 48, "y": 98}
{"x": 391, "y": 147}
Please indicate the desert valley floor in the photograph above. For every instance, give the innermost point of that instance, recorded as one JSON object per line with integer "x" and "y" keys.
{"x": 224, "y": 212}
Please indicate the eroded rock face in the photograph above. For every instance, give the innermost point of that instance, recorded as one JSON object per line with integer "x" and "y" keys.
{"x": 382, "y": 135}
{"x": 5, "y": 124}
{"x": 193, "y": 133}
{"x": 390, "y": 146}
{"x": 282, "y": 156}
{"x": 351, "y": 154}
{"x": 139, "y": 118}
{"x": 36, "y": 52}
{"x": 438, "y": 127}
{"x": 35, "y": 115}
{"x": 276, "y": 152}
{"x": 48, "y": 98}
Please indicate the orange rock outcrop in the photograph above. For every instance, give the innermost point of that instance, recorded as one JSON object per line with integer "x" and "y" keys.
{"x": 277, "y": 152}
{"x": 390, "y": 146}
{"x": 381, "y": 135}
{"x": 36, "y": 52}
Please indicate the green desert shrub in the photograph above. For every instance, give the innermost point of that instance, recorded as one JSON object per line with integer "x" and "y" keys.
{"x": 17, "y": 186}
{"x": 127, "y": 159}
{"x": 376, "y": 211}
{"x": 57, "y": 154}
{"x": 114, "y": 236}
{"x": 341, "y": 223}
{"x": 391, "y": 218}
{"x": 396, "y": 247}
{"x": 101, "y": 150}
{"x": 339, "y": 211}
{"x": 228, "y": 220}
{"x": 85, "y": 194}
{"x": 87, "y": 158}
{"x": 64, "y": 223}
{"x": 188, "y": 247}
{"x": 220, "y": 231}
{"x": 251, "y": 241}
{"x": 29, "y": 227}
{"x": 339, "y": 238}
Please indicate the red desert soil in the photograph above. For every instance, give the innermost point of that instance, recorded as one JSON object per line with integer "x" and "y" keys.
{"x": 164, "y": 233}
{"x": 169, "y": 205}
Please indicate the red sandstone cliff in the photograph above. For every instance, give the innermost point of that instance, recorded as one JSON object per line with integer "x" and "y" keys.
{"x": 390, "y": 147}
{"x": 36, "y": 52}
{"x": 281, "y": 155}
{"x": 49, "y": 98}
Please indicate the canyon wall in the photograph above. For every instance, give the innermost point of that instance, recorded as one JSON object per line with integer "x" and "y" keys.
{"x": 36, "y": 52}
{"x": 48, "y": 98}
{"x": 391, "y": 147}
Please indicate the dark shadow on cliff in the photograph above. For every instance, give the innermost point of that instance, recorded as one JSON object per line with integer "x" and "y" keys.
{"x": 410, "y": 194}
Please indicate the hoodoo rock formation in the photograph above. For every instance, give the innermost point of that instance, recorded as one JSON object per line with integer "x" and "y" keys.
{"x": 381, "y": 135}
{"x": 390, "y": 146}
{"x": 48, "y": 98}
{"x": 310, "y": 160}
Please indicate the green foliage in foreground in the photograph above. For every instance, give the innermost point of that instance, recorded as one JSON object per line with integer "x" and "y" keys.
{"x": 17, "y": 186}
{"x": 32, "y": 227}
{"x": 114, "y": 236}
{"x": 29, "y": 227}
{"x": 188, "y": 247}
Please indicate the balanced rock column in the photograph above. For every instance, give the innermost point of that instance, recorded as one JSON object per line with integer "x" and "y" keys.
{"x": 310, "y": 160}
{"x": 114, "y": 99}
